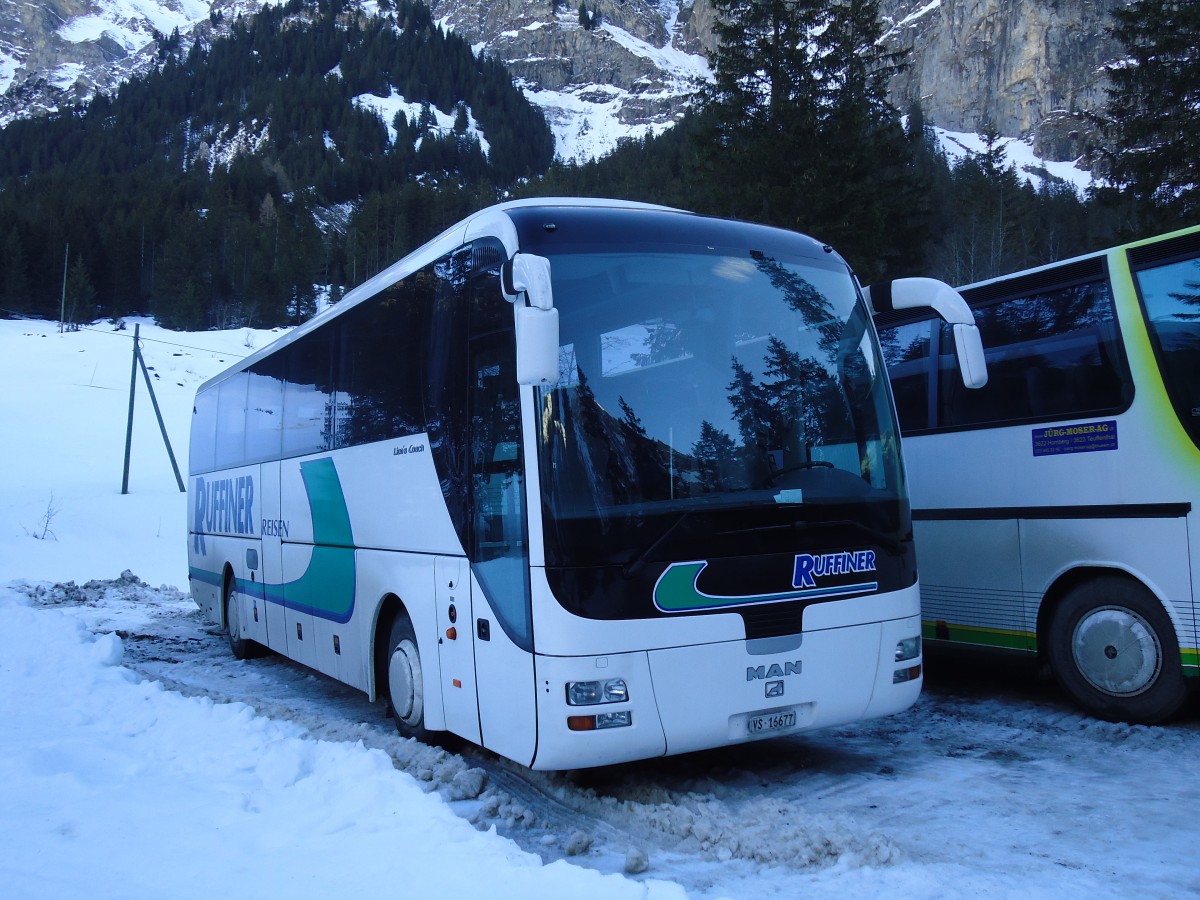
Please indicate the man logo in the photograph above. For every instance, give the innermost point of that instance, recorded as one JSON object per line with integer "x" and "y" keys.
{"x": 775, "y": 670}
{"x": 774, "y": 688}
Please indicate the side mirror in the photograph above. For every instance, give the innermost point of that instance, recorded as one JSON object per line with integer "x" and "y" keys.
{"x": 537, "y": 345}
{"x": 525, "y": 280}
{"x": 912, "y": 293}
{"x": 971, "y": 363}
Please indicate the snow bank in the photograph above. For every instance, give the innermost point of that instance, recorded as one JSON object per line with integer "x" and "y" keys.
{"x": 118, "y": 788}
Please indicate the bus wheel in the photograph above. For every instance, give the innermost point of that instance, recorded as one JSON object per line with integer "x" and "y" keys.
{"x": 406, "y": 682}
{"x": 243, "y": 648}
{"x": 1113, "y": 648}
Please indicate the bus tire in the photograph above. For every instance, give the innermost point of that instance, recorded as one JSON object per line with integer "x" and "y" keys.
{"x": 406, "y": 680}
{"x": 242, "y": 648}
{"x": 1113, "y": 648}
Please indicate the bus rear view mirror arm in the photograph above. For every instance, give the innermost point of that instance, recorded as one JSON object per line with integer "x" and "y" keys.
{"x": 914, "y": 293}
{"x": 525, "y": 280}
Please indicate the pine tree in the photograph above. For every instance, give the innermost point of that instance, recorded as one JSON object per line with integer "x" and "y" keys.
{"x": 15, "y": 283}
{"x": 1153, "y": 111}
{"x": 799, "y": 129}
{"x": 79, "y": 294}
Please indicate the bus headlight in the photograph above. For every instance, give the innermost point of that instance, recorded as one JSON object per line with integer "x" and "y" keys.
{"x": 909, "y": 648}
{"x": 589, "y": 693}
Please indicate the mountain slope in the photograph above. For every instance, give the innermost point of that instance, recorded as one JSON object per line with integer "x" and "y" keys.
{"x": 1027, "y": 67}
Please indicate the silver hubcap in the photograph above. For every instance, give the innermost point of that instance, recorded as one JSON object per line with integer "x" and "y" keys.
{"x": 404, "y": 682}
{"x": 1117, "y": 651}
{"x": 231, "y": 616}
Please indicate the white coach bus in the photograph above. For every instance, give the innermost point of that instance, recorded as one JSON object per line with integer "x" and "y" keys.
{"x": 1055, "y": 510}
{"x": 578, "y": 481}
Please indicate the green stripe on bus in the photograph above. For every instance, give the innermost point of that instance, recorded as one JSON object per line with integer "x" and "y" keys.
{"x": 970, "y": 634}
{"x": 327, "y": 503}
{"x": 1189, "y": 657}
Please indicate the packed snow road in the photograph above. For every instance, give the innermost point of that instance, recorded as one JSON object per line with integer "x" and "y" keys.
{"x": 990, "y": 784}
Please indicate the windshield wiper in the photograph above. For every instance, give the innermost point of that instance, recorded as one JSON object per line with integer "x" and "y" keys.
{"x": 632, "y": 567}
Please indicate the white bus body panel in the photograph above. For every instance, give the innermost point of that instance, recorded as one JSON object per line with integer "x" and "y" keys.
{"x": 505, "y": 678}
{"x": 271, "y": 556}
{"x": 455, "y": 646}
{"x": 1158, "y": 559}
{"x": 1000, "y": 605}
{"x": 995, "y": 598}
{"x": 689, "y": 695}
{"x": 392, "y": 493}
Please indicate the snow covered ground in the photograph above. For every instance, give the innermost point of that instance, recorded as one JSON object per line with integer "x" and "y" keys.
{"x": 139, "y": 759}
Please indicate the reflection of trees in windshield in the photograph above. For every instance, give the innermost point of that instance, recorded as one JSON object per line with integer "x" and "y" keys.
{"x": 741, "y": 370}
{"x": 621, "y": 463}
{"x": 781, "y": 417}
{"x": 802, "y": 296}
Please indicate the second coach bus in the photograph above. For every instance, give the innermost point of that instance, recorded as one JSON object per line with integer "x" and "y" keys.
{"x": 1056, "y": 509}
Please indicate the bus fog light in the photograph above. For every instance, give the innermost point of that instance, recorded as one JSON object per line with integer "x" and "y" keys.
{"x": 912, "y": 673}
{"x": 589, "y": 693}
{"x": 909, "y": 648}
{"x": 600, "y": 720}
{"x": 614, "y": 719}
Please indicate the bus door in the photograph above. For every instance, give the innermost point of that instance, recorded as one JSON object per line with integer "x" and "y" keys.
{"x": 501, "y": 627}
{"x": 263, "y": 561}
{"x": 456, "y": 647}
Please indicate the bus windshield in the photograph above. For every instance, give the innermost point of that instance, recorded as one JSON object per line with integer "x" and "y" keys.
{"x": 728, "y": 395}
{"x": 1171, "y": 294}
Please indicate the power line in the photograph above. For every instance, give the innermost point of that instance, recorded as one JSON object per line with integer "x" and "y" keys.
{"x": 141, "y": 338}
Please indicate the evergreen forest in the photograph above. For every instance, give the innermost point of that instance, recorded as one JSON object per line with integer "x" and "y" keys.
{"x": 241, "y": 179}
{"x": 140, "y": 201}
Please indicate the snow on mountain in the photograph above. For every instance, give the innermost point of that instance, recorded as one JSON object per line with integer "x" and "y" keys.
{"x": 630, "y": 76}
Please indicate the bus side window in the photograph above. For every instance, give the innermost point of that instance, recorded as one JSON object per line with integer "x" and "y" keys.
{"x": 202, "y": 455}
{"x": 1055, "y": 354}
{"x": 906, "y": 354}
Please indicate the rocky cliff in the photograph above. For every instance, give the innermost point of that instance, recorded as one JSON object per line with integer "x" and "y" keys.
{"x": 1029, "y": 67}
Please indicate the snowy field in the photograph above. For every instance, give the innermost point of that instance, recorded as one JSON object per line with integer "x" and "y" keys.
{"x": 139, "y": 759}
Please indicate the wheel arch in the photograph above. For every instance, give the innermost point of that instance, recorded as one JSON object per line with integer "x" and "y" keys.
{"x": 1067, "y": 581}
{"x": 227, "y": 578}
{"x": 390, "y": 607}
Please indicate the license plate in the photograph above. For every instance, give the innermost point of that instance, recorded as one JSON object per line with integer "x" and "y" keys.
{"x": 774, "y": 721}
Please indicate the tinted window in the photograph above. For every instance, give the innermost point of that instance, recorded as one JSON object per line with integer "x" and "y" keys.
{"x": 1051, "y": 354}
{"x": 204, "y": 432}
{"x": 264, "y": 410}
{"x": 1171, "y": 294}
{"x": 308, "y": 402}
{"x": 231, "y": 421}
{"x": 379, "y": 383}
{"x": 906, "y": 354}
